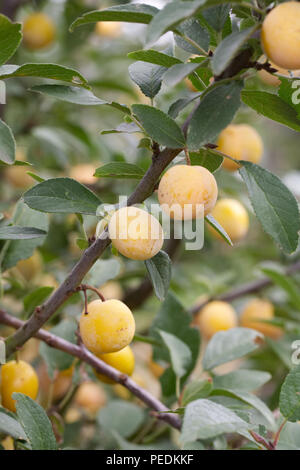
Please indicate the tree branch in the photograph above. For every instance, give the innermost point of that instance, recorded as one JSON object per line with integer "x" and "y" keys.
{"x": 142, "y": 192}
{"x": 245, "y": 289}
{"x": 86, "y": 356}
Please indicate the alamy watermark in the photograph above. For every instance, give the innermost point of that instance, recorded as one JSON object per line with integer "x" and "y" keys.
{"x": 296, "y": 93}
{"x": 178, "y": 222}
{"x": 2, "y": 92}
{"x": 296, "y": 354}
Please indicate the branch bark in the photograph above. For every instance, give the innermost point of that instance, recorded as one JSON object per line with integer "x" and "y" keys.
{"x": 86, "y": 356}
{"x": 245, "y": 289}
{"x": 144, "y": 189}
{"x": 90, "y": 256}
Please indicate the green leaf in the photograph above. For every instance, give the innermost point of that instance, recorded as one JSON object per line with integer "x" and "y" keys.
{"x": 275, "y": 206}
{"x": 16, "y": 250}
{"x": 289, "y": 401}
{"x": 180, "y": 353}
{"x": 169, "y": 17}
{"x": 35, "y": 423}
{"x": 215, "y": 112}
{"x": 180, "y": 104}
{"x": 160, "y": 271}
{"x": 62, "y": 195}
{"x": 77, "y": 95}
{"x": 131, "y": 13}
{"x": 251, "y": 400}
{"x": 285, "y": 283}
{"x": 289, "y": 437}
{"x": 212, "y": 221}
{"x": 120, "y": 170}
{"x": 7, "y": 144}
{"x": 154, "y": 57}
{"x": 122, "y": 417}
{"x": 10, "y": 38}
{"x": 173, "y": 319}
{"x": 272, "y": 107}
{"x": 70, "y": 94}
{"x": 50, "y": 71}
{"x": 10, "y": 426}
{"x": 217, "y": 16}
{"x": 160, "y": 127}
{"x": 147, "y": 76}
{"x": 55, "y": 359}
{"x": 35, "y": 298}
{"x": 196, "y": 34}
{"x": 225, "y": 346}
{"x": 229, "y": 48}
{"x": 204, "y": 419}
{"x": 124, "y": 127}
{"x": 195, "y": 390}
{"x": 208, "y": 158}
{"x": 20, "y": 233}
{"x": 242, "y": 380}
{"x": 178, "y": 72}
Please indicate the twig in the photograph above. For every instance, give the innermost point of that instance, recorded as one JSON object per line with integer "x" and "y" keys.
{"x": 86, "y": 356}
{"x": 260, "y": 440}
{"x": 277, "y": 435}
{"x": 245, "y": 289}
{"x": 91, "y": 254}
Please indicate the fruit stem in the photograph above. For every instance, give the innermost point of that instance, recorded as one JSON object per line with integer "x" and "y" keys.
{"x": 277, "y": 435}
{"x": 187, "y": 156}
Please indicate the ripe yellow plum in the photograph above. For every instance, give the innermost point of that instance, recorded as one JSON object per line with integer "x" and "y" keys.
{"x": 233, "y": 217}
{"x": 108, "y": 29}
{"x": 216, "y": 316}
{"x": 122, "y": 360}
{"x": 108, "y": 327}
{"x": 90, "y": 396}
{"x": 135, "y": 233}
{"x": 242, "y": 142}
{"x": 17, "y": 377}
{"x": 84, "y": 173}
{"x": 187, "y": 192}
{"x": 280, "y": 35}
{"x": 38, "y": 31}
{"x": 112, "y": 290}
{"x": 30, "y": 267}
{"x": 254, "y": 314}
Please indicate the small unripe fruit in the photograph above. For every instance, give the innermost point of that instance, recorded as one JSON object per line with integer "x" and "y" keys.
{"x": 108, "y": 327}
{"x": 216, "y": 316}
{"x": 280, "y": 35}
{"x": 38, "y": 31}
{"x": 122, "y": 360}
{"x": 109, "y": 29}
{"x": 135, "y": 233}
{"x": 17, "y": 377}
{"x": 30, "y": 267}
{"x": 184, "y": 185}
{"x": 255, "y": 313}
{"x": 84, "y": 173}
{"x": 241, "y": 142}
{"x": 91, "y": 397}
{"x": 233, "y": 217}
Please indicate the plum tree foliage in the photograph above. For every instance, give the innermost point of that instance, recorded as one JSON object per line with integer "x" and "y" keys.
{"x": 97, "y": 103}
